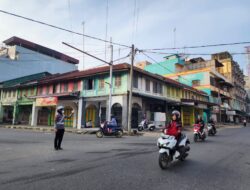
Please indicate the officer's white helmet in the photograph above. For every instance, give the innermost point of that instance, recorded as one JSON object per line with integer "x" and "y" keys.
{"x": 60, "y": 108}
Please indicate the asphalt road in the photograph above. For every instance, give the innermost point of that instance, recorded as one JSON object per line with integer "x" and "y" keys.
{"x": 29, "y": 162}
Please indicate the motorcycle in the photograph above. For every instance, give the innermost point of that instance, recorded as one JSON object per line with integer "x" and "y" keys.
{"x": 198, "y": 134}
{"x": 169, "y": 152}
{"x": 211, "y": 130}
{"x": 146, "y": 125}
{"x": 104, "y": 130}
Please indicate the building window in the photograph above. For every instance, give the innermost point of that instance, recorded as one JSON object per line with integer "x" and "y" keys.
{"x": 159, "y": 88}
{"x": 32, "y": 91}
{"x": 118, "y": 81}
{"x": 75, "y": 86}
{"x": 155, "y": 87}
{"x": 196, "y": 82}
{"x": 172, "y": 92}
{"x": 101, "y": 83}
{"x": 168, "y": 91}
{"x": 9, "y": 94}
{"x": 47, "y": 89}
{"x": 148, "y": 85}
{"x": 89, "y": 84}
{"x": 212, "y": 81}
{"x": 40, "y": 91}
{"x": 26, "y": 92}
{"x": 54, "y": 89}
{"x": 135, "y": 81}
{"x": 65, "y": 87}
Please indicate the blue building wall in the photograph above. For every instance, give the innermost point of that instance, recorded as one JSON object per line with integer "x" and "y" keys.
{"x": 165, "y": 67}
{"x": 30, "y": 62}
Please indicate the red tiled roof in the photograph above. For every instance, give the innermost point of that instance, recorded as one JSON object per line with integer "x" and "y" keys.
{"x": 41, "y": 49}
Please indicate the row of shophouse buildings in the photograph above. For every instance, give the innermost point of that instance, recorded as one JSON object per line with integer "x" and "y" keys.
{"x": 213, "y": 88}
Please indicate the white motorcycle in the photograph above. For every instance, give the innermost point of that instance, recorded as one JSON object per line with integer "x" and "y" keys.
{"x": 168, "y": 151}
{"x": 144, "y": 125}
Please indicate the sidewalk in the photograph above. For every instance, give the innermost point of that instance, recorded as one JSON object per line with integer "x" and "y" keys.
{"x": 93, "y": 130}
{"x": 51, "y": 129}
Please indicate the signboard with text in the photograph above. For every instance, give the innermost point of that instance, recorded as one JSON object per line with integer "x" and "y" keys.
{"x": 48, "y": 101}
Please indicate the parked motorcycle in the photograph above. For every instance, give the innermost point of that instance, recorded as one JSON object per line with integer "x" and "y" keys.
{"x": 211, "y": 130}
{"x": 145, "y": 125}
{"x": 198, "y": 134}
{"x": 169, "y": 152}
{"x": 104, "y": 130}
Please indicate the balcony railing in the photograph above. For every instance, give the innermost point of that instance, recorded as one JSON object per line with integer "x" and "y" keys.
{"x": 214, "y": 100}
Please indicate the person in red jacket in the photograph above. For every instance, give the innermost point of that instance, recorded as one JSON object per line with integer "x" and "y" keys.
{"x": 174, "y": 126}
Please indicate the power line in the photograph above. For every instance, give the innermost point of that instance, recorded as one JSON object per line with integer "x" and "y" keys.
{"x": 60, "y": 28}
{"x": 171, "y": 53}
{"x": 162, "y": 65}
{"x": 200, "y": 46}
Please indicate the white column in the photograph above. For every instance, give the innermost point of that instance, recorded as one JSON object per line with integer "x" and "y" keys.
{"x": 79, "y": 119}
{"x": 34, "y": 115}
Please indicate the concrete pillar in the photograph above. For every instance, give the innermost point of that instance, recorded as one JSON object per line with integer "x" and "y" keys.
{"x": 80, "y": 112}
{"x": 107, "y": 109}
{"x": 125, "y": 112}
{"x": 84, "y": 113}
{"x": 14, "y": 114}
{"x": 34, "y": 114}
{"x": 98, "y": 119}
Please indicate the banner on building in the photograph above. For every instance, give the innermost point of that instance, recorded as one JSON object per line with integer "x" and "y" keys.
{"x": 202, "y": 106}
{"x": 49, "y": 101}
{"x": 230, "y": 112}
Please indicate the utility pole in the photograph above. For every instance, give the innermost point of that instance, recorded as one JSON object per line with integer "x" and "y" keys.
{"x": 110, "y": 74}
{"x": 83, "y": 48}
{"x": 219, "y": 104}
{"x": 131, "y": 89}
{"x": 110, "y": 80}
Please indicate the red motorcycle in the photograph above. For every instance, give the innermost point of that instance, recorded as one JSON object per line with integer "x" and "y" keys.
{"x": 198, "y": 134}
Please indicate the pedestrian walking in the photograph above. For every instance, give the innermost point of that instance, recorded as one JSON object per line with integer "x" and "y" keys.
{"x": 59, "y": 127}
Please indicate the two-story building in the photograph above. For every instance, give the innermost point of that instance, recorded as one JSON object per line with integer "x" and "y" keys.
{"x": 15, "y": 102}
{"x": 87, "y": 93}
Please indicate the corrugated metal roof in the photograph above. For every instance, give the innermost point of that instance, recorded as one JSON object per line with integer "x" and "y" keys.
{"x": 25, "y": 79}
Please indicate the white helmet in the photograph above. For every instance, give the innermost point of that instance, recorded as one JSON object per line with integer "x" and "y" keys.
{"x": 60, "y": 108}
{"x": 177, "y": 113}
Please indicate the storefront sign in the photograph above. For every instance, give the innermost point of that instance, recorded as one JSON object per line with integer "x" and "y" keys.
{"x": 188, "y": 103}
{"x": 230, "y": 112}
{"x": 49, "y": 101}
{"x": 202, "y": 106}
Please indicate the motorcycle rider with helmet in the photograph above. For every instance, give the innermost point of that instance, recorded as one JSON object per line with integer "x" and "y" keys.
{"x": 174, "y": 127}
{"x": 201, "y": 122}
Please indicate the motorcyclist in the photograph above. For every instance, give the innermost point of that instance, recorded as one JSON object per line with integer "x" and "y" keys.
{"x": 200, "y": 122}
{"x": 245, "y": 122}
{"x": 174, "y": 126}
{"x": 112, "y": 124}
{"x": 211, "y": 121}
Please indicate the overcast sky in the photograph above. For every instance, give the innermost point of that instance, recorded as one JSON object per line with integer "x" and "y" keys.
{"x": 146, "y": 23}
